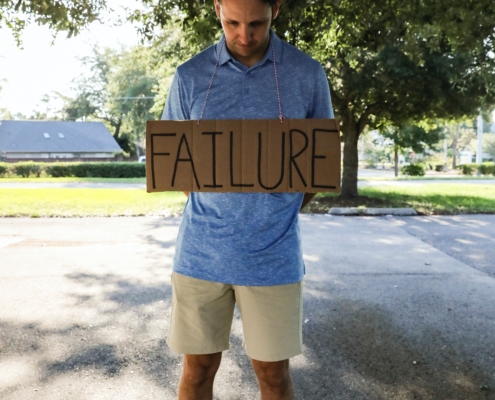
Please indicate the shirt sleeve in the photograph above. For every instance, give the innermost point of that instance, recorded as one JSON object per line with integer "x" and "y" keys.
{"x": 322, "y": 104}
{"x": 176, "y": 106}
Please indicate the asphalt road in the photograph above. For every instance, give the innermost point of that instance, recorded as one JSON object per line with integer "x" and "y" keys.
{"x": 71, "y": 185}
{"x": 394, "y": 308}
{"x": 142, "y": 186}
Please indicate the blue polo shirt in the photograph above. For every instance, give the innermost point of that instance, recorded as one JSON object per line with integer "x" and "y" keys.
{"x": 249, "y": 239}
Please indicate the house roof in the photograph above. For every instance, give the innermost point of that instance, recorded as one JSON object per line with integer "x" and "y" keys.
{"x": 56, "y": 137}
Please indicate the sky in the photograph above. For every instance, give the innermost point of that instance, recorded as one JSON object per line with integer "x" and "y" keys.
{"x": 42, "y": 68}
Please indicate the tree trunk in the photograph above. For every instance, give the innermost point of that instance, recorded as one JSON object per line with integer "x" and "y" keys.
{"x": 396, "y": 161}
{"x": 116, "y": 133}
{"x": 350, "y": 174}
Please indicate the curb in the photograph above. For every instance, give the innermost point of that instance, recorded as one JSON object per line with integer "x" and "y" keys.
{"x": 353, "y": 211}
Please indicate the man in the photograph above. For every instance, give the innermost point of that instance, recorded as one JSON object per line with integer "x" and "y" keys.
{"x": 242, "y": 248}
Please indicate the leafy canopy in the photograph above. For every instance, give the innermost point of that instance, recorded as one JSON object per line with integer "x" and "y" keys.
{"x": 59, "y": 15}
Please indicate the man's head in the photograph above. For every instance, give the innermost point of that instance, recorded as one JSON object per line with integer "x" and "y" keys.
{"x": 246, "y": 24}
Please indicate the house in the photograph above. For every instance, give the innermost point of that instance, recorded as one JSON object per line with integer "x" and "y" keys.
{"x": 56, "y": 140}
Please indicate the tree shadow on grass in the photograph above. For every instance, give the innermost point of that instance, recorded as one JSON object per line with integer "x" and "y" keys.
{"x": 434, "y": 204}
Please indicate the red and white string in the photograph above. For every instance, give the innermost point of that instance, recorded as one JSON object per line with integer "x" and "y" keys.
{"x": 280, "y": 116}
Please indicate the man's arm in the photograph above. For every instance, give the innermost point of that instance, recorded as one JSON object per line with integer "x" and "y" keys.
{"x": 307, "y": 198}
{"x": 187, "y": 194}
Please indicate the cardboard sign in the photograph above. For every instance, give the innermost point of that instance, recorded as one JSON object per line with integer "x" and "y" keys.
{"x": 298, "y": 155}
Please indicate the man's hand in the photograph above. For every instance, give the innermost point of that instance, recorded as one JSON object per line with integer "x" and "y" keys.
{"x": 307, "y": 198}
{"x": 187, "y": 194}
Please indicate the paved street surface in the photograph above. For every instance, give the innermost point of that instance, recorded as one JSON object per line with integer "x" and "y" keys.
{"x": 395, "y": 308}
{"x": 71, "y": 185}
{"x": 142, "y": 186}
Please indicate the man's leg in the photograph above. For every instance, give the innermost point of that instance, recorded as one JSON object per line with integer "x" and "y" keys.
{"x": 201, "y": 319}
{"x": 198, "y": 374}
{"x": 274, "y": 379}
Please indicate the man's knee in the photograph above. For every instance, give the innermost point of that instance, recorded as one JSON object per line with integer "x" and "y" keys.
{"x": 274, "y": 374}
{"x": 200, "y": 368}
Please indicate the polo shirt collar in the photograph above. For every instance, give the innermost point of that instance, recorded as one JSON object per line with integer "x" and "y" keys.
{"x": 277, "y": 47}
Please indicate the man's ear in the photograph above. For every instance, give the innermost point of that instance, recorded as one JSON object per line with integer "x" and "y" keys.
{"x": 275, "y": 10}
{"x": 217, "y": 8}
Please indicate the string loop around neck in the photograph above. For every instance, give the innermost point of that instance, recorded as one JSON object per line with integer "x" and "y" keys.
{"x": 211, "y": 80}
{"x": 280, "y": 115}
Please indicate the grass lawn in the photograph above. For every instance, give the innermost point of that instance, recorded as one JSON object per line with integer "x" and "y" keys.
{"x": 428, "y": 199}
{"x": 88, "y": 202}
{"x": 445, "y": 198}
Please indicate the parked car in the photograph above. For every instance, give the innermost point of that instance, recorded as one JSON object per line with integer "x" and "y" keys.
{"x": 142, "y": 159}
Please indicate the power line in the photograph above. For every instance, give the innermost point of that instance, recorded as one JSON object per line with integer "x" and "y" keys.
{"x": 134, "y": 98}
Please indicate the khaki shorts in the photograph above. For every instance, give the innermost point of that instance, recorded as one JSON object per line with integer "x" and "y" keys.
{"x": 202, "y": 313}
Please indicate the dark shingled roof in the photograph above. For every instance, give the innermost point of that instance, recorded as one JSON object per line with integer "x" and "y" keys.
{"x": 80, "y": 137}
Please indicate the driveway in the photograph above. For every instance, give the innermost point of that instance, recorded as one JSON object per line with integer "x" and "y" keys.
{"x": 394, "y": 308}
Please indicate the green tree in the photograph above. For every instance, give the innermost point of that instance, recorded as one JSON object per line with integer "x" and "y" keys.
{"x": 388, "y": 61}
{"x": 413, "y": 137}
{"x": 459, "y": 134}
{"x": 69, "y": 16}
{"x": 170, "y": 48}
{"x": 119, "y": 90}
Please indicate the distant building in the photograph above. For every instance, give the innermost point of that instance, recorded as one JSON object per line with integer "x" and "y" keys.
{"x": 56, "y": 140}
{"x": 468, "y": 157}
{"x": 465, "y": 157}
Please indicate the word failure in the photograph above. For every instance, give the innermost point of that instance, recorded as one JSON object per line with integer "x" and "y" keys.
{"x": 297, "y": 155}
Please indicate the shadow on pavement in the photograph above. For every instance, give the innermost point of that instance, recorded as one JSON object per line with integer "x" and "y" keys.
{"x": 109, "y": 340}
{"x": 355, "y": 351}
{"x": 127, "y": 294}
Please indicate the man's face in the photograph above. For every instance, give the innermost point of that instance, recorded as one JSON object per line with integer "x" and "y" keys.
{"x": 246, "y": 24}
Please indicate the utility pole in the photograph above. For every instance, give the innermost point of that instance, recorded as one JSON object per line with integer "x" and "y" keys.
{"x": 445, "y": 155}
{"x": 479, "y": 153}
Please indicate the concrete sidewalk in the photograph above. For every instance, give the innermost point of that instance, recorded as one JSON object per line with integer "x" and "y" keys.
{"x": 395, "y": 308}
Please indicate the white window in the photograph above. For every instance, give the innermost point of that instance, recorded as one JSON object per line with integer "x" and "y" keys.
{"x": 61, "y": 135}
{"x": 46, "y": 135}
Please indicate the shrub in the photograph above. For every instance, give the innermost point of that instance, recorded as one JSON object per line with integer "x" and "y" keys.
{"x": 439, "y": 167}
{"x": 487, "y": 168}
{"x": 413, "y": 170}
{"x": 97, "y": 170}
{"x": 27, "y": 169}
{"x": 468, "y": 169}
{"x": 58, "y": 170}
{"x": 75, "y": 169}
{"x": 3, "y": 169}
